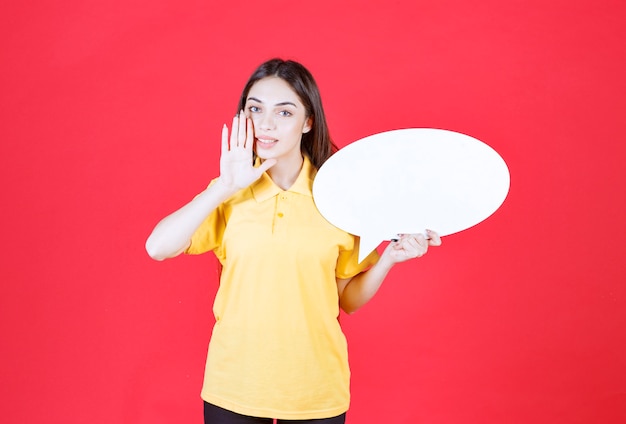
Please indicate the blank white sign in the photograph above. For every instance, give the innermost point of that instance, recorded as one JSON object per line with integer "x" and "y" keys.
{"x": 410, "y": 180}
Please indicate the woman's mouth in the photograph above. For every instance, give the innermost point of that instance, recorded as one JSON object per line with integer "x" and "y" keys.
{"x": 265, "y": 141}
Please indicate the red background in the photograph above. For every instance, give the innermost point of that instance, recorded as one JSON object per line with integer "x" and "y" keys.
{"x": 110, "y": 119}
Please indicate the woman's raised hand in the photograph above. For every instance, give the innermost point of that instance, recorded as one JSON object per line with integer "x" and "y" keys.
{"x": 237, "y": 170}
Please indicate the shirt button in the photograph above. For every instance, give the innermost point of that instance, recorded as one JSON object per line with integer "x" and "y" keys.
{"x": 280, "y": 214}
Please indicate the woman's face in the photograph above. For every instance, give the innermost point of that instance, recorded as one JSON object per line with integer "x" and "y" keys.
{"x": 279, "y": 119}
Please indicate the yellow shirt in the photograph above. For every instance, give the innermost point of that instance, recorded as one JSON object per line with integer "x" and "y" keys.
{"x": 277, "y": 349}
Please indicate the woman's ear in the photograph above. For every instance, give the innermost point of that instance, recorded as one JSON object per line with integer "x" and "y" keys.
{"x": 308, "y": 124}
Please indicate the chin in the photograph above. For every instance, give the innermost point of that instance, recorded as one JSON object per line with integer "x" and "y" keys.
{"x": 263, "y": 155}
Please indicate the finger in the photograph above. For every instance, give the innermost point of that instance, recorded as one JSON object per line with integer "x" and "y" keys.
{"x": 434, "y": 238}
{"x": 241, "y": 136}
{"x": 417, "y": 244}
{"x": 403, "y": 242}
{"x": 224, "y": 138}
{"x": 411, "y": 252}
{"x": 267, "y": 164}
{"x": 249, "y": 134}
{"x": 234, "y": 131}
{"x": 419, "y": 239}
{"x": 396, "y": 242}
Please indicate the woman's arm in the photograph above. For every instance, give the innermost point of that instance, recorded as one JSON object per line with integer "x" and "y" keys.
{"x": 173, "y": 234}
{"x": 357, "y": 291}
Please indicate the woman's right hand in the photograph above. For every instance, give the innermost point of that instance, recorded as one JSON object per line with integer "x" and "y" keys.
{"x": 237, "y": 170}
{"x": 172, "y": 235}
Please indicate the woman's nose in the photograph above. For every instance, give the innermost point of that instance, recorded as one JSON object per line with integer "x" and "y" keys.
{"x": 266, "y": 121}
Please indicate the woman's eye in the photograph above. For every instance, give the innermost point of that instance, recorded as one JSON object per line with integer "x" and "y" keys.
{"x": 254, "y": 109}
{"x": 284, "y": 113}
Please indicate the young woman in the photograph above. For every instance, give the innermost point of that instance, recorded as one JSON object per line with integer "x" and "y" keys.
{"x": 277, "y": 350}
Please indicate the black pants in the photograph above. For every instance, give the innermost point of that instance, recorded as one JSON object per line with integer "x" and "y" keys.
{"x": 216, "y": 415}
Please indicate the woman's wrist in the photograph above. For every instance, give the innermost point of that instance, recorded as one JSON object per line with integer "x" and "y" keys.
{"x": 221, "y": 189}
{"x": 386, "y": 261}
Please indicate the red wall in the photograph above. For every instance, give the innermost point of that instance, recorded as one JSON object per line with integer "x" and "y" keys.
{"x": 110, "y": 118}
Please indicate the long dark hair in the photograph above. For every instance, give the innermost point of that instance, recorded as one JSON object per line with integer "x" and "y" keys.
{"x": 316, "y": 144}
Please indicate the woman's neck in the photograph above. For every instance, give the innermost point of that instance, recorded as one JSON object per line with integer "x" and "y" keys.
{"x": 285, "y": 173}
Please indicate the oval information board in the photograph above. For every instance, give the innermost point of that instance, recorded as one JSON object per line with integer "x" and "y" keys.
{"x": 409, "y": 180}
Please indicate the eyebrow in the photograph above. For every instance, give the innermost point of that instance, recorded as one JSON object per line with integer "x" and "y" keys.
{"x": 277, "y": 104}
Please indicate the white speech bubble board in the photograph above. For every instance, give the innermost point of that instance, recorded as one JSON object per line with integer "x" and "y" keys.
{"x": 409, "y": 180}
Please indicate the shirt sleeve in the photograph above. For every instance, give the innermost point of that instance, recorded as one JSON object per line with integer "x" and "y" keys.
{"x": 209, "y": 234}
{"x": 348, "y": 262}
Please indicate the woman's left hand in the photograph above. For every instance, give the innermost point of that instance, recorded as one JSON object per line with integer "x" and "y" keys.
{"x": 409, "y": 246}
{"x": 357, "y": 291}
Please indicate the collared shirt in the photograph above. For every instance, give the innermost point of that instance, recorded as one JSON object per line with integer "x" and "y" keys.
{"x": 277, "y": 349}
